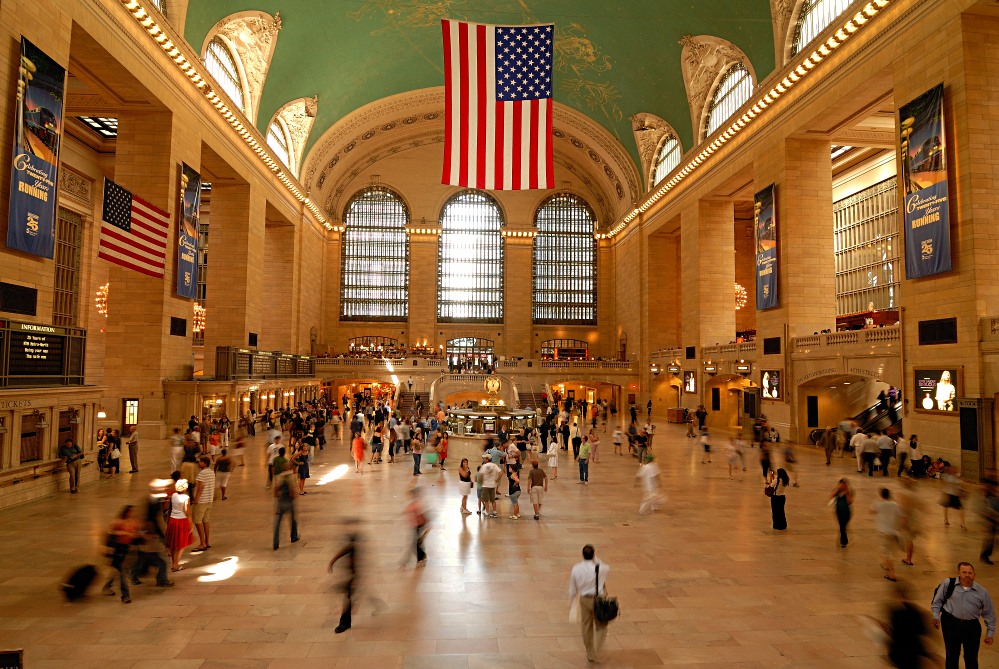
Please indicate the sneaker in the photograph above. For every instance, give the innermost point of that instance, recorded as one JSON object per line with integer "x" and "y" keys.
{"x": 537, "y": 517}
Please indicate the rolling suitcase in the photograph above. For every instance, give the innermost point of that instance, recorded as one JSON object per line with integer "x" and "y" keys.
{"x": 78, "y": 582}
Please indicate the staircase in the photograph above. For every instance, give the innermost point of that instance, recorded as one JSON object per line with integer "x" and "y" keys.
{"x": 530, "y": 398}
{"x": 406, "y": 404}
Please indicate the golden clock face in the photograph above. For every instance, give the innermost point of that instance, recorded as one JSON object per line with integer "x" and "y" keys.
{"x": 492, "y": 385}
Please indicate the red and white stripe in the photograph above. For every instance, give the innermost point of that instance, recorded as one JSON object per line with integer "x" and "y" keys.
{"x": 489, "y": 144}
{"x": 144, "y": 247}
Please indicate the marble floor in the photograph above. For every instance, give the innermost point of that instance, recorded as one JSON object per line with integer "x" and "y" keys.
{"x": 704, "y": 582}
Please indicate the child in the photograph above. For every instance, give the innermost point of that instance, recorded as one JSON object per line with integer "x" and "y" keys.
{"x": 617, "y": 441}
{"x": 706, "y": 443}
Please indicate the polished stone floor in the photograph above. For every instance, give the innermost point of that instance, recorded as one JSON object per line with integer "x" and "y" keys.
{"x": 704, "y": 582}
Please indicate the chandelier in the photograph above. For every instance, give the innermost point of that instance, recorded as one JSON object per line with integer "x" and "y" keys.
{"x": 101, "y": 301}
{"x": 199, "y": 318}
{"x": 741, "y": 296}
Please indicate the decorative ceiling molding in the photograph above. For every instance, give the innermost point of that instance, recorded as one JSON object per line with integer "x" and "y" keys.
{"x": 296, "y": 118}
{"x": 405, "y": 121}
{"x": 650, "y": 131}
{"x": 781, "y": 12}
{"x": 253, "y": 35}
{"x": 703, "y": 61}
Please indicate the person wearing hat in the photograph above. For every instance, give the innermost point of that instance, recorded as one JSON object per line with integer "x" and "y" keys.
{"x": 178, "y": 534}
{"x": 152, "y": 550}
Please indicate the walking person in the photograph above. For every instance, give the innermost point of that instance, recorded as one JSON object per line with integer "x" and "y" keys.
{"x": 419, "y": 523}
{"x": 909, "y": 507}
{"x": 537, "y": 486}
{"x": 350, "y": 551}
{"x": 223, "y": 468}
{"x": 577, "y": 438}
{"x": 357, "y": 446}
{"x": 594, "y": 444}
{"x": 417, "y": 454}
{"x": 125, "y": 530}
{"x": 553, "y": 462}
{"x": 648, "y": 476}
{"x": 827, "y": 442}
{"x": 583, "y": 584}
{"x": 765, "y": 459}
{"x": 285, "y": 493}
{"x": 514, "y": 478}
{"x": 204, "y": 493}
{"x": 990, "y": 514}
{"x": 152, "y": 547}
{"x": 464, "y": 484}
{"x": 953, "y": 491}
{"x": 779, "y": 481}
{"x": 957, "y": 605}
{"x": 886, "y": 511}
{"x": 842, "y": 498}
{"x": 706, "y": 445}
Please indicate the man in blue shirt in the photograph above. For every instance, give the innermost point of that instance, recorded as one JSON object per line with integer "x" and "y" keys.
{"x": 957, "y": 607}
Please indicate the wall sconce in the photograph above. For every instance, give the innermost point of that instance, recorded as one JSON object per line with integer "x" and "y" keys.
{"x": 40, "y": 422}
{"x": 655, "y": 369}
{"x": 101, "y": 299}
{"x": 198, "y": 323}
{"x": 743, "y": 367}
{"x": 673, "y": 369}
{"x": 75, "y": 417}
{"x": 710, "y": 368}
{"x": 271, "y": 395}
{"x": 101, "y": 415}
{"x": 218, "y": 401}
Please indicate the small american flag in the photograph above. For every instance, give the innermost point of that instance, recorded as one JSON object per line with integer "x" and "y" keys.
{"x": 133, "y": 232}
{"x": 498, "y": 106}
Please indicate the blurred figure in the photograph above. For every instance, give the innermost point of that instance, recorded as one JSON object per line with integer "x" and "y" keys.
{"x": 906, "y": 629}
{"x": 990, "y": 514}
{"x": 648, "y": 477}
{"x": 953, "y": 492}
{"x": 350, "y": 551}
{"x": 886, "y": 511}
{"x": 842, "y": 498}
{"x": 958, "y": 609}
{"x": 357, "y": 447}
{"x": 705, "y": 442}
{"x": 152, "y": 549}
{"x": 285, "y": 492}
{"x": 223, "y": 468}
{"x": 123, "y": 533}
{"x": 827, "y": 442}
{"x": 909, "y": 508}
{"x": 419, "y": 522}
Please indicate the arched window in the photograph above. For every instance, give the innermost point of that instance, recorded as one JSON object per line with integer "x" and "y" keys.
{"x": 814, "y": 17}
{"x": 735, "y": 87}
{"x": 565, "y": 262}
{"x": 470, "y": 260}
{"x": 160, "y": 5}
{"x": 278, "y": 140}
{"x": 221, "y": 64}
{"x": 374, "y": 282}
{"x": 667, "y": 159}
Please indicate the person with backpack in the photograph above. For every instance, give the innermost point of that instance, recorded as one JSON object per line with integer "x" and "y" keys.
{"x": 284, "y": 492}
{"x": 958, "y": 603}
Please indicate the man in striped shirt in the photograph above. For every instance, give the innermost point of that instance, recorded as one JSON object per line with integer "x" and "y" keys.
{"x": 204, "y": 493}
{"x": 957, "y": 606}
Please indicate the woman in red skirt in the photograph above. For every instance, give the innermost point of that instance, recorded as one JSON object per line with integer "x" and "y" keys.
{"x": 178, "y": 534}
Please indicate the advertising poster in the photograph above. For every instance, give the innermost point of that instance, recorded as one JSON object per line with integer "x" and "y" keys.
{"x": 37, "y": 138}
{"x": 935, "y": 389}
{"x": 924, "y": 178}
{"x": 770, "y": 384}
{"x": 765, "y": 224}
{"x": 690, "y": 382}
{"x": 187, "y": 233}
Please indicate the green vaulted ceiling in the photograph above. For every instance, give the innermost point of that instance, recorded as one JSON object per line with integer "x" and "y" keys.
{"x": 613, "y": 58}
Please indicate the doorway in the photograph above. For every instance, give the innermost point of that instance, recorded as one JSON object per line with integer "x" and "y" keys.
{"x": 129, "y": 414}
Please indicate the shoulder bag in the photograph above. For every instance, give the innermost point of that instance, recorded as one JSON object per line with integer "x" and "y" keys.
{"x": 605, "y": 609}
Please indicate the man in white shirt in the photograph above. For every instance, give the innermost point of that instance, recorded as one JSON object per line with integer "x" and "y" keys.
{"x": 272, "y": 452}
{"x": 857, "y": 444}
{"x": 491, "y": 476}
{"x": 583, "y": 583}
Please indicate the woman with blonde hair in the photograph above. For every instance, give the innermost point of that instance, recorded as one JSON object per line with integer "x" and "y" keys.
{"x": 178, "y": 534}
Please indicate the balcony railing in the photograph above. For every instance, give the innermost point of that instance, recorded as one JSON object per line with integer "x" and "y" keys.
{"x": 416, "y": 364}
{"x": 850, "y": 338}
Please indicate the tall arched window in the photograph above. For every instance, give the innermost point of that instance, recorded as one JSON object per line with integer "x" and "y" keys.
{"x": 279, "y": 142}
{"x": 160, "y": 5}
{"x": 814, "y": 17}
{"x": 374, "y": 283}
{"x": 565, "y": 262}
{"x": 221, "y": 64}
{"x": 470, "y": 260}
{"x": 668, "y": 158}
{"x": 735, "y": 87}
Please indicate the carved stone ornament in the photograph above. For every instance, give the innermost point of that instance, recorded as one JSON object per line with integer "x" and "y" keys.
{"x": 649, "y": 131}
{"x": 76, "y": 186}
{"x": 780, "y": 13}
{"x": 702, "y": 61}
{"x": 253, "y": 34}
{"x": 297, "y": 123}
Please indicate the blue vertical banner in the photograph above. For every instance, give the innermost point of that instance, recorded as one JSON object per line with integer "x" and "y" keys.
{"x": 765, "y": 224}
{"x": 187, "y": 232}
{"x": 922, "y": 147}
{"x": 37, "y": 138}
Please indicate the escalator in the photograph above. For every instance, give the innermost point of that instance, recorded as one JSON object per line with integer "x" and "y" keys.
{"x": 872, "y": 419}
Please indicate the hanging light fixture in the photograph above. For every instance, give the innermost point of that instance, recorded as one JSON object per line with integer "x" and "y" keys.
{"x": 741, "y": 296}
{"x": 199, "y": 318}
{"x": 40, "y": 422}
{"x": 101, "y": 300}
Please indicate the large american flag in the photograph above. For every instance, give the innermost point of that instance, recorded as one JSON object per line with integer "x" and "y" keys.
{"x": 133, "y": 232}
{"x": 498, "y": 106}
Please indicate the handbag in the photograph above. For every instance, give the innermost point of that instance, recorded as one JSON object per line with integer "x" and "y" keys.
{"x": 115, "y": 453}
{"x": 770, "y": 490}
{"x": 605, "y": 609}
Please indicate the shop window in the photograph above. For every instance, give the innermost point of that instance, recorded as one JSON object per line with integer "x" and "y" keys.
{"x": 667, "y": 159}
{"x": 814, "y": 17}
{"x": 66, "y": 297}
{"x": 221, "y": 64}
{"x": 564, "y": 349}
{"x": 31, "y": 438}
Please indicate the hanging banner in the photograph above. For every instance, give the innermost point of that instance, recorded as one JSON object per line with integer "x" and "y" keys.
{"x": 924, "y": 177}
{"x": 765, "y": 223}
{"x": 37, "y": 139}
{"x": 187, "y": 232}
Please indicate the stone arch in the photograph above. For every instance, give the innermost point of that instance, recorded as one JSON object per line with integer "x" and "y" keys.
{"x": 252, "y": 36}
{"x": 650, "y": 131}
{"x": 704, "y": 60}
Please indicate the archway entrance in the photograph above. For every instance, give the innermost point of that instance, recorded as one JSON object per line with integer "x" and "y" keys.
{"x": 724, "y": 402}
{"x": 826, "y": 400}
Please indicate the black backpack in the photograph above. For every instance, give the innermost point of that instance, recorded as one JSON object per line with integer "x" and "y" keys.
{"x": 947, "y": 593}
